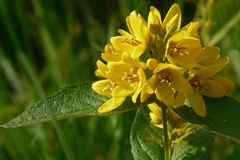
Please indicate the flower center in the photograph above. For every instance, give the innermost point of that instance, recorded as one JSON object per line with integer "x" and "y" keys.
{"x": 196, "y": 84}
{"x": 175, "y": 50}
{"x": 131, "y": 76}
{"x": 166, "y": 77}
{"x": 110, "y": 87}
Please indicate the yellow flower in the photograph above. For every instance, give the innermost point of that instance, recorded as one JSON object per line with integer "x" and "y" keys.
{"x": 129, "y": 76}
{"x": 158, "y": 57}
{"x": 137, "y": 26}
{"x": 126, "y": 43}
{"x": 107, "y": 87}
{"x": 166, "y": 80}
{"x": 204, "y": 82}
{"x": 183, "y": 48}
{"x": 155, "y": 115}
{"x": 123, "y": 78}
{"x": 104, "y": 87}
{"x": 155, "y": 24}
{"x": 170, "y": 24}
{"x": 136, "y": 41}
{"x": 172, "y": 20}
{"x": 111, "y": 54}
{"x": 174, "y": 120}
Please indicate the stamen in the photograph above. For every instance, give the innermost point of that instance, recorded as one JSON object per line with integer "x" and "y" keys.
{"x": 132, "y": 76}
{"x": 166, "y": 77}
{"x": 109, "y": 87}
{"x": 175, "y": 50}
{"x": 198, "y": 85}
{"x": 113, "y": 51}
{"x": 131, "y": 41}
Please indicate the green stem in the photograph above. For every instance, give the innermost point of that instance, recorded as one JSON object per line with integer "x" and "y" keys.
{"x": 167, "y": 150}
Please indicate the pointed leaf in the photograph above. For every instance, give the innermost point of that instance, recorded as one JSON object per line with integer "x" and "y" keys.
{"x": 74, "y": 101}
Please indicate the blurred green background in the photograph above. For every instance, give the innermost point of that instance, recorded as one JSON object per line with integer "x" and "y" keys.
{"x": 48, "y": 44}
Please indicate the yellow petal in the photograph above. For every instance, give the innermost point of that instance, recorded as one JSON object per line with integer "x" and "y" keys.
{"x": 179, "y": 100}
{"x": 197, "y": 103}
{"x": 110, "y": 54}
{"x": 171, "y": 26}
{"x": 213, "y": 88}
{"x": 154, "y": 21}
{"x": 173, "y": 11}
{"x": 142, "y": 76}
{"x": 117, "y": 71}
{"x": 120, "y": 44}
{"x": 136, "y": 93}
{"x": 138, "y": 50}
{"x": 119, "y": 91}
{"x": 103, "y": 87}
{"x": 111, "y": 104}
{"x": 180, "y": 83}
{"x": 213, "y": 69}
{"x": 131, "y": 21}
{"x": 124, "y": 33}
{"x": 124, "y": 44}
{"x": 151, "y": 84}
{"x": 209, "y": 55}
{"x": 191, "y": 29}
{"x": 102, "y": 69}
{"x": 225, "y": 82}
{"x": 154, "y": 16}
{"x": 141, "y": 84}
{"x": 144, "y": 96}
{"x": 163, "y": 66}
{"x": 164, "y": 93}
{"x": 135, "y": 24}
{"x": 155, "y": 109}
{"x": 155, "y": 119}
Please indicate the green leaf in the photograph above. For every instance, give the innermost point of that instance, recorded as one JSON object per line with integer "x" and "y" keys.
{"x": 222, "y": 116}
{"x": 146, "y": 140}
{"x": 195, "y": 146}
{"x": 147, "y": 143}
{"x": 74, "y": 101}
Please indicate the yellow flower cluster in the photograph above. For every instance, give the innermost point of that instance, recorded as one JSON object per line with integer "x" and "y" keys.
{"x": 158, "y": 57}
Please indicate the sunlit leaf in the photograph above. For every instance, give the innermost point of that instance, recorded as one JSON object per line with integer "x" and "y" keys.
{"x": 222, "y": 116}
{"x": 74, "y": 101}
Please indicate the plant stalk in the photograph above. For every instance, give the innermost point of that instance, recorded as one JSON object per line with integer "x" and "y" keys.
{"x": 167, "y": 150}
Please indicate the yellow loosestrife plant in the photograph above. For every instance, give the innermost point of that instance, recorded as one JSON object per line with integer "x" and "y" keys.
{"x": 168, "y": 75}
{"x": 162, "y": 59}
{"x": 178, "y": 68}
